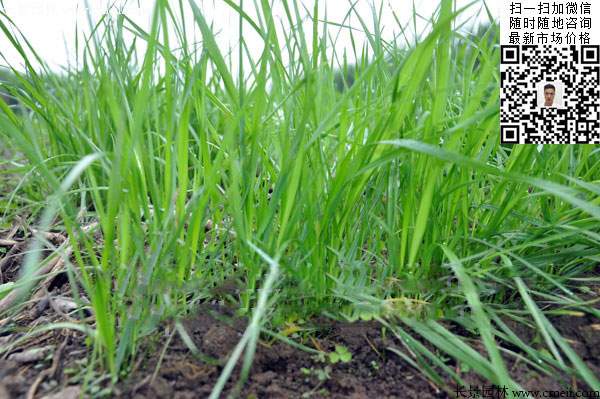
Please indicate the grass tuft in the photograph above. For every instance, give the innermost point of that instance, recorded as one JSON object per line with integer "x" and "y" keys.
{"x": 381, "y": 186}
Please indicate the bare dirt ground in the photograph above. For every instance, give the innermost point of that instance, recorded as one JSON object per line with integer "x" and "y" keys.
{"x": 49, "y": 365}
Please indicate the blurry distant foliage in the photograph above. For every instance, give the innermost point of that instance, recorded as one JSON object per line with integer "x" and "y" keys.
{"x": 345, "y": 76}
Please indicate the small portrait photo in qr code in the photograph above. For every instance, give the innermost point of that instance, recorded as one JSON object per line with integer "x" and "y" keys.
{"x": 550, "y": 94}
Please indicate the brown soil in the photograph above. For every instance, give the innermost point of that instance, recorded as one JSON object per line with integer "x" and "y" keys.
{"x": 279, "y": 370}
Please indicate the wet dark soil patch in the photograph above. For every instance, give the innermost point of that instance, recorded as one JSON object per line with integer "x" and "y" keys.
{"x": 282, "y": 371}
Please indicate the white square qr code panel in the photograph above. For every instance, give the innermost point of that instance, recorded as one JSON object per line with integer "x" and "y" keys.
{"x": 550, "y": 72}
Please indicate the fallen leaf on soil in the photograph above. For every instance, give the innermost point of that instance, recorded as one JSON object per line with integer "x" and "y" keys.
{"x": 67, "y": 393}
{"x": 31, "y": 355}
{"x": 63, "y": 305}
{"x": 3, "y": 392}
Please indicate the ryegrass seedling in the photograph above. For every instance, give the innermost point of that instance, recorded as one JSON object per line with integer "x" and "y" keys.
{"x": 375, "y": 198}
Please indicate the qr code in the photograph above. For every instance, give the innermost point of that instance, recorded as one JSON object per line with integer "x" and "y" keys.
{"x": 550, "y": 94}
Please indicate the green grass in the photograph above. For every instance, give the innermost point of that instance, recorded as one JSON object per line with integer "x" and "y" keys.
{"x": 390, "y": 199}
